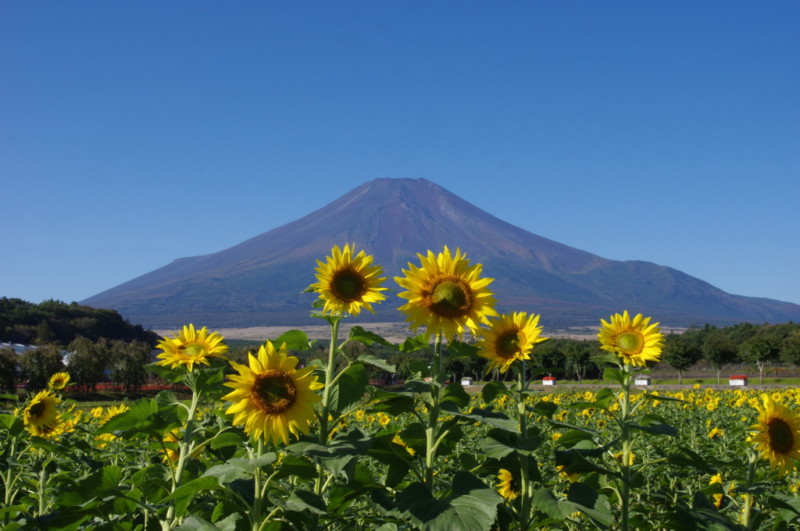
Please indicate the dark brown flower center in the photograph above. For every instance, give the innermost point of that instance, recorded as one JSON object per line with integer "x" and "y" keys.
{"x": 513, "y": 485}
{"x": 630, "y": 342}
{"x": 451, "y": 297}
{"x": 274, "y": 391}
{"x": 37, "y": 409}
{"x": 781, "y": 438}
{"x": 508, "y": 344}
{"x": 348, "y": 285}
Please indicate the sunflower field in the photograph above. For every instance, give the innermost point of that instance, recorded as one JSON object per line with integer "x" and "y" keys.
{"x": 271, "y": 445}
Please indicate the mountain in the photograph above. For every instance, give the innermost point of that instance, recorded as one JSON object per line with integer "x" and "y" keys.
{"x": 259, "y": 281}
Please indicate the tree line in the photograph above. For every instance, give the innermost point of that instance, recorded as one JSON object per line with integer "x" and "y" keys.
{"x": 88, "y": 363}
{"x": 757, "y": 345}
{"x": 58, "y": 323}
{"x": 122, "y": 361}
{"x": 93, "y": 345}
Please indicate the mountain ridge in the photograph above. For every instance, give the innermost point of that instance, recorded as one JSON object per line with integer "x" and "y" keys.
{"x": 259, "y": 280}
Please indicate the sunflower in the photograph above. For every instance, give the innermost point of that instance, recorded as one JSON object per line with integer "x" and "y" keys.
{"x": 42, "y": 410}
{"x": 507, "y": 487}
{"x": 58, "y": 381}
{"x": 446, "y": 294}
{"x": 271, "y": 397}
{"x": 60, "y": 425}
{"x": 112, "y": 411}
{"x": 190, "y": 347}
{"x": 635, "y": 341}
{"x": 510, "y": 338}
{"x": 348, "y": 283}
{"x": 777, "y": 435}
{"x": 104, "y": 416}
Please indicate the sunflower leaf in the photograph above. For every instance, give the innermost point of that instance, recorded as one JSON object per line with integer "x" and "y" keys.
{"x": 227, "y": 438}
{"x": 349, "y": 389}
{"x": 394, "y": 456}
{"x": 412, "y": 344}
{"x": 391, "y": 403}
{"x": 605, "y": 357}
{"x": 294, "y": 340}
{"x": 302, "y": 501}
{"x": 651, "y": 396}
{"x": 591, "y": 503}
{"x": 544, "y": 408}
{"x": 12, "y": 423}
{"x": 492, "y": 418}
{"x": 375, "y": 361}
{"x": 454, "y": 397}
{"x": 499, "y": 443}
{"x": 459, "y": 349}
{"x": 615, "y": 375}
{"x": 471, "y": 506}
{"x": 551, "y": 505}
{"x": 492, "y": 390}
{"x": 170, "y": 375}
{"x": 358, "y": 333}
{"x": 654, "y": 425}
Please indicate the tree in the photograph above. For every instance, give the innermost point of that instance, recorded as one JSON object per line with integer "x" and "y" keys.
{"x": 578, "y": 357}
{"x": 681, "y": 352}
{"x": 128, "y": 363}
{"x": 9, "y": 367}
{"x": 88, "y": 362}
{"x": 790, "y": 348}
{"x": 548, "y": 358}
{"x": 718, "y": 350}
{"x": 759, "y": 351}
{"x": 39, "y": 364}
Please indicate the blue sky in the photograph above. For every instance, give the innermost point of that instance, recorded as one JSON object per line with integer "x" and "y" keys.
{"x": 135, "y": 133}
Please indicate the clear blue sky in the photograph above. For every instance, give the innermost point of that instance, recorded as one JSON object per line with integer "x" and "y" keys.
{"x": 135, "y": 133}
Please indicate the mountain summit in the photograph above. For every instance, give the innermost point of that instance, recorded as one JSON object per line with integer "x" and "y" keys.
{"x": 259, "y": 281}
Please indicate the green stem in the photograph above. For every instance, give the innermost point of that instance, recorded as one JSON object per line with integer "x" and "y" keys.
{"x": 526, "y": 490}
{"x": 330, "y": 377}
{"x": 257, "y": 501}
{"x": 626, "y": 447}
{"x": 9, "y": 480}
{"x": 184, "y": 448}
{"x": 433, "y": 417}
{"x": 42, "y": 488}
{"x": 748, "y": 497}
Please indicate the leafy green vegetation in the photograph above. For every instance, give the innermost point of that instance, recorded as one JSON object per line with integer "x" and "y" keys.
{"x": 59, "y": 323}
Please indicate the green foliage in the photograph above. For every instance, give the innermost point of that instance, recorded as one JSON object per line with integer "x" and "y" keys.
{"x": 60, "y": 323}
{"x": 681, "y": 352}
{"x": 39, "y": 364}
{"x": 88, "y": 361}
{"x": 128, "y": 361}
{"x": 9, "y": 367}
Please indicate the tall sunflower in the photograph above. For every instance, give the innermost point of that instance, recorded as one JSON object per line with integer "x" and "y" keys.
{"x": 507, "y": 487}
{"x": 41, "y": 411}
{"x": 58, "y": 381}
{"x": 776, "y": 435}
{"x": 190, "y": 347}
{"x": 347, "y": 283}
{"x": 59, "y": 426}
{"x": 636, "y": 341}
{"x": 510, "y": 338}
{"x": 271, "y": 397}
{"x": 446, "y": 294}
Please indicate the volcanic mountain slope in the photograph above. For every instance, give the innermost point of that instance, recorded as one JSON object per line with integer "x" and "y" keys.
{"x": 259, "y": 281}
